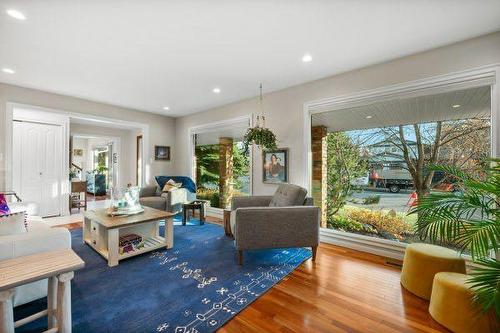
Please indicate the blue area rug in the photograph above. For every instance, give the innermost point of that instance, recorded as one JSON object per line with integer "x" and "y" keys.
{"x": 178, "y": 220}
{"x": 195, "y": 287}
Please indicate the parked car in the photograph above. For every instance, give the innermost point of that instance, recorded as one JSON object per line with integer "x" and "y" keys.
{"x": 361, "y": 181}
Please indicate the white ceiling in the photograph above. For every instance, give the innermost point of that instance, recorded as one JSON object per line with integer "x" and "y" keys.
{"x": 147, "y": 54}
{"x": 473, "y": 102}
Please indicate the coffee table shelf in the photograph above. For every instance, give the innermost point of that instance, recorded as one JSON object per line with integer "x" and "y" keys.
{"x": 102, "y": 232}
{"x": 150, "y": 244}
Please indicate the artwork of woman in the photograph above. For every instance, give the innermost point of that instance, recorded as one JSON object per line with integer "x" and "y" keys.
{"x": 275, "y": 166}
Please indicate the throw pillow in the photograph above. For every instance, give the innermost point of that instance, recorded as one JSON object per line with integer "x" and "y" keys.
{"x": 4, "y": 208}
{"x": 288, "y": 195}
{"x": 13, "y": 224}
{"x": 171, "y": 185}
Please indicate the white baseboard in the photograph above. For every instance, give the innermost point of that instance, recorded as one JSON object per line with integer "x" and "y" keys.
{"x": 381, "y": 247}
{"x": 215, "y": 212}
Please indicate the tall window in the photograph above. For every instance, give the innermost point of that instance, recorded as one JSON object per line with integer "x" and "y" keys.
{"x": 377, "y": 157}
{"x": 221, "y": 164}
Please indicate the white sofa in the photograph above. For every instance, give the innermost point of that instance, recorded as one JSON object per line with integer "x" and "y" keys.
{"x": 40, "y": 237}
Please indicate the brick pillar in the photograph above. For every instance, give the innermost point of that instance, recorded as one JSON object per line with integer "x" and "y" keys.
{"x": 319, "y": 155}
{"x": 226, "y": 171}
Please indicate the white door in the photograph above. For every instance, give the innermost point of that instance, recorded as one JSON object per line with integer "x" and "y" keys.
{"x": 37, "y": 157}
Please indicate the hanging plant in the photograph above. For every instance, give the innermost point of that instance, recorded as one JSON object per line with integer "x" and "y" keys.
{"x": 260, "y": 136}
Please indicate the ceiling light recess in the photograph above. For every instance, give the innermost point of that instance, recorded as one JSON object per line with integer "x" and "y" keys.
{"x": 8, "y": 70}
{"x": 368, "y": 117}
{"x": 166, "y": 108}
{"x": 456, "y": 106}
{"x": 16, "y": 14}
{"x": 307, "y": 58}
{"x": 216, "y": 90}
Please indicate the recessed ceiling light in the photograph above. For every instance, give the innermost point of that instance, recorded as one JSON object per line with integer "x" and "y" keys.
{"x": 456, "y": 106}
{"x": 16, "y": 14}
{"x": 307, "y": 58}
{"x": 8, "y": 70}
{"x": 166, "y": 108}
{"x": 216, "y": 90}
{"x": 368, "y": 117}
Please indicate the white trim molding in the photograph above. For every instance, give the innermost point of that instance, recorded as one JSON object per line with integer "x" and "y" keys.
{"x": 476, "y": 77}
{"x": 382, "y": 247}
{"x": 379, "y": 246}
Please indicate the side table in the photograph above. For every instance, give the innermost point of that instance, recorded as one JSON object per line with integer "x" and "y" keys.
{"x": 58, "y": 267}
{"x": 197, "y": 204}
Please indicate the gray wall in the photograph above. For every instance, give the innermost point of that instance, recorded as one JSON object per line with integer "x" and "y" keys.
{"x": 161, "y": 128}
{"x": 284, "y": 109}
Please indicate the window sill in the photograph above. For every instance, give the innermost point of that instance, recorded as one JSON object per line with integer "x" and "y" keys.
{"x": 382, "y": 247}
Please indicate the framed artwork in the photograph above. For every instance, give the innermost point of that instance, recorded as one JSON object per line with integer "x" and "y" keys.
{"x": 275, "y": 166}
{"x": 162, "y": 153}
{"x": 77, "y": 152}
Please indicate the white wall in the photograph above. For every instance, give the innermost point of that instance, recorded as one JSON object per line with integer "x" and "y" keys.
{"x": 284, "y": 109}
{"x": 161, "y": 128}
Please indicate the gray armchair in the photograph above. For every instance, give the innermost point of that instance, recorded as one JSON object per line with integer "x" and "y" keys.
{"x": 287, "y": 219}
{"x": 172, "y": 201}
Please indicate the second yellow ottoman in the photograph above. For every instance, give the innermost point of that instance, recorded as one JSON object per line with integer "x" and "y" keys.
{"x": 451, "y": 306}
{"x": 422, "y": 261}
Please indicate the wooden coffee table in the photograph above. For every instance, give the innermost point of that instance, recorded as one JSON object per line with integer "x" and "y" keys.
{"x": 102, "y": 232}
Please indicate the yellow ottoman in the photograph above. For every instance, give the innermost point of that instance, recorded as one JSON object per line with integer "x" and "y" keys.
{"x": 451, "y": 306}
{"x": 422, "y": 262}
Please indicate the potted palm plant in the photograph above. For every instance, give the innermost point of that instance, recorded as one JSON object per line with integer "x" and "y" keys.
{"x": 469, "y": 219}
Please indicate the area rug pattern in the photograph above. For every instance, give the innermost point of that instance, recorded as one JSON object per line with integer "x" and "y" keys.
{"x": 195, "y": 287}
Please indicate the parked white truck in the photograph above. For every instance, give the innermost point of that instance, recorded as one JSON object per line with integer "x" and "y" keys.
{"x": 394, "y": 179}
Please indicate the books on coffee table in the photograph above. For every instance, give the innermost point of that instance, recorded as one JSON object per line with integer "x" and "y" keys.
{"x": 129, "y": 243}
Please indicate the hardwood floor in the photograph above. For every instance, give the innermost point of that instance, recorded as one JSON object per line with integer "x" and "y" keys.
{"x": 343, "y": 291}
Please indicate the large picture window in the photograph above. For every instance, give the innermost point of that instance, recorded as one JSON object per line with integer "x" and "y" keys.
{"x": 221, "y": 166}
{"x": 373, "y": 161}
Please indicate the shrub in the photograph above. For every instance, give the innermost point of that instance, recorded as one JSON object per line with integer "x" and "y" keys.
{"x": 343, "y": 223}
{"x": 209, "y": 194}
{"x": 389, "y": 222}
{"x": 371, "y": 200}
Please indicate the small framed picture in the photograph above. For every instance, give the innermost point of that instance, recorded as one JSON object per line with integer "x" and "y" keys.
{"x": 77, "y": 152}
{"x": 275, "y": 166}
{"x": 162, "y": 153}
